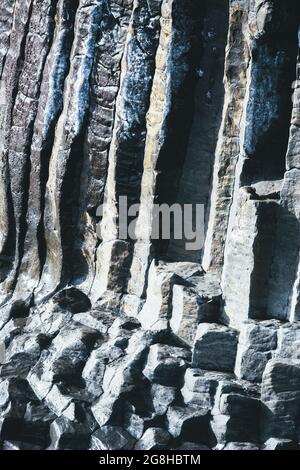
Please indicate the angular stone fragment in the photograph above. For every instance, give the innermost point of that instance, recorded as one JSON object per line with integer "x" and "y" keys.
{"x": 162, "y": 397}
{"x": 64, "y": 360}
{"x": 66, "y": 435}
{"x": 125, "y": 324}
{"x": 111, "y": 438}
{"x": 194, "y": 305}
{"x": 24, "y": 345}
{"x": 280, "y": 444}
{"x": 95, "y": 367}
{"x": 166, "y": 364}
{"x": 156, "y": 311}
{"x": 12, "y": 328}
{"x": 281, "y": 399}
{"x": 288, "y": 341}
{"x": 57, "y": 401}
{"x": 200, "y": 388}
{"x": 134, "y": 425}
{"x": 189, "y": 423}
{"x": 106, "y": 408}
{"x": 215, "y": 348}
{"x": 257, "y": 343}
{"x": 36, "y": 411}
{"x": 97, "y": 319}
{"x": 236, "y": 412}
{"x": 154, "y": 439}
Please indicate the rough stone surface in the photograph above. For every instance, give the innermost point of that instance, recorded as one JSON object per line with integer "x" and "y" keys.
{"x": 215, "y": 347}
{"x": 113, "y": 342}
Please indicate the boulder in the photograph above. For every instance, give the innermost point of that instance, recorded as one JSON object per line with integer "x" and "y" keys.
{"x": 191, "y": 424}
{"x": 257, "y": 342}
{"x": 111, "y": 438}
{"x": 280, "y": 395}
{"x": 215, "y": 347}
{"x": 154, "y": 439}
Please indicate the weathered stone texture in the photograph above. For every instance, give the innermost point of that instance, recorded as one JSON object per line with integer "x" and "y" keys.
{"x": 113, "y": 343}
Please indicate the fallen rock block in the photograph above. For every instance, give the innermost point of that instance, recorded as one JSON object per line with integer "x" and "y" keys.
{"x": 288, "y": 341}
{"x": 64, "y": 360}
{"x": 162, "y": 397}
{"x": 133, "y": 424}
{"x": 100, "y": 320}
{"x": 236, "y": 412}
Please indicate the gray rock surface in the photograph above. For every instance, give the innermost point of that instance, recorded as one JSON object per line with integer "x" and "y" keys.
{"x": 215, "y": 347}
{"x": 117, "y": 343}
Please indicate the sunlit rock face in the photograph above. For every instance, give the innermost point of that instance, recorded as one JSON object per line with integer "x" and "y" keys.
{"x": 140, "y": 343}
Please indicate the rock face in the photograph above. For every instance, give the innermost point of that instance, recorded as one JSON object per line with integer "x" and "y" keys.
{"x": 118, "y": 343}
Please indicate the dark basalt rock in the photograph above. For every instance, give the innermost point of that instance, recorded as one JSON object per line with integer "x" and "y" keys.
{"x": 115, "y": 343}
{"x": 73, "y": 300}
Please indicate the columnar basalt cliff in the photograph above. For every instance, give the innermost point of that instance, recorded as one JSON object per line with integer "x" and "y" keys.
{"x": 111, "y": 343}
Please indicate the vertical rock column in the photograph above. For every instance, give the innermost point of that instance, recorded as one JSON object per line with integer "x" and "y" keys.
{"x": 6, "y": 18}
{"x": 228, "y": 146}
{"x": 49, "y": 109}
{"x": 272, "y": 39}
{"x": 128, "y": 144}
{"x": 26, "y": 96}
{"x": 168, "y": 123}
{"x": 8, "y": 89}
{"x": 96, "y": 139}
{"x": 59, "y": 203}
{"x": 206, "y": 111}
{"x": 291, "y": 196}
